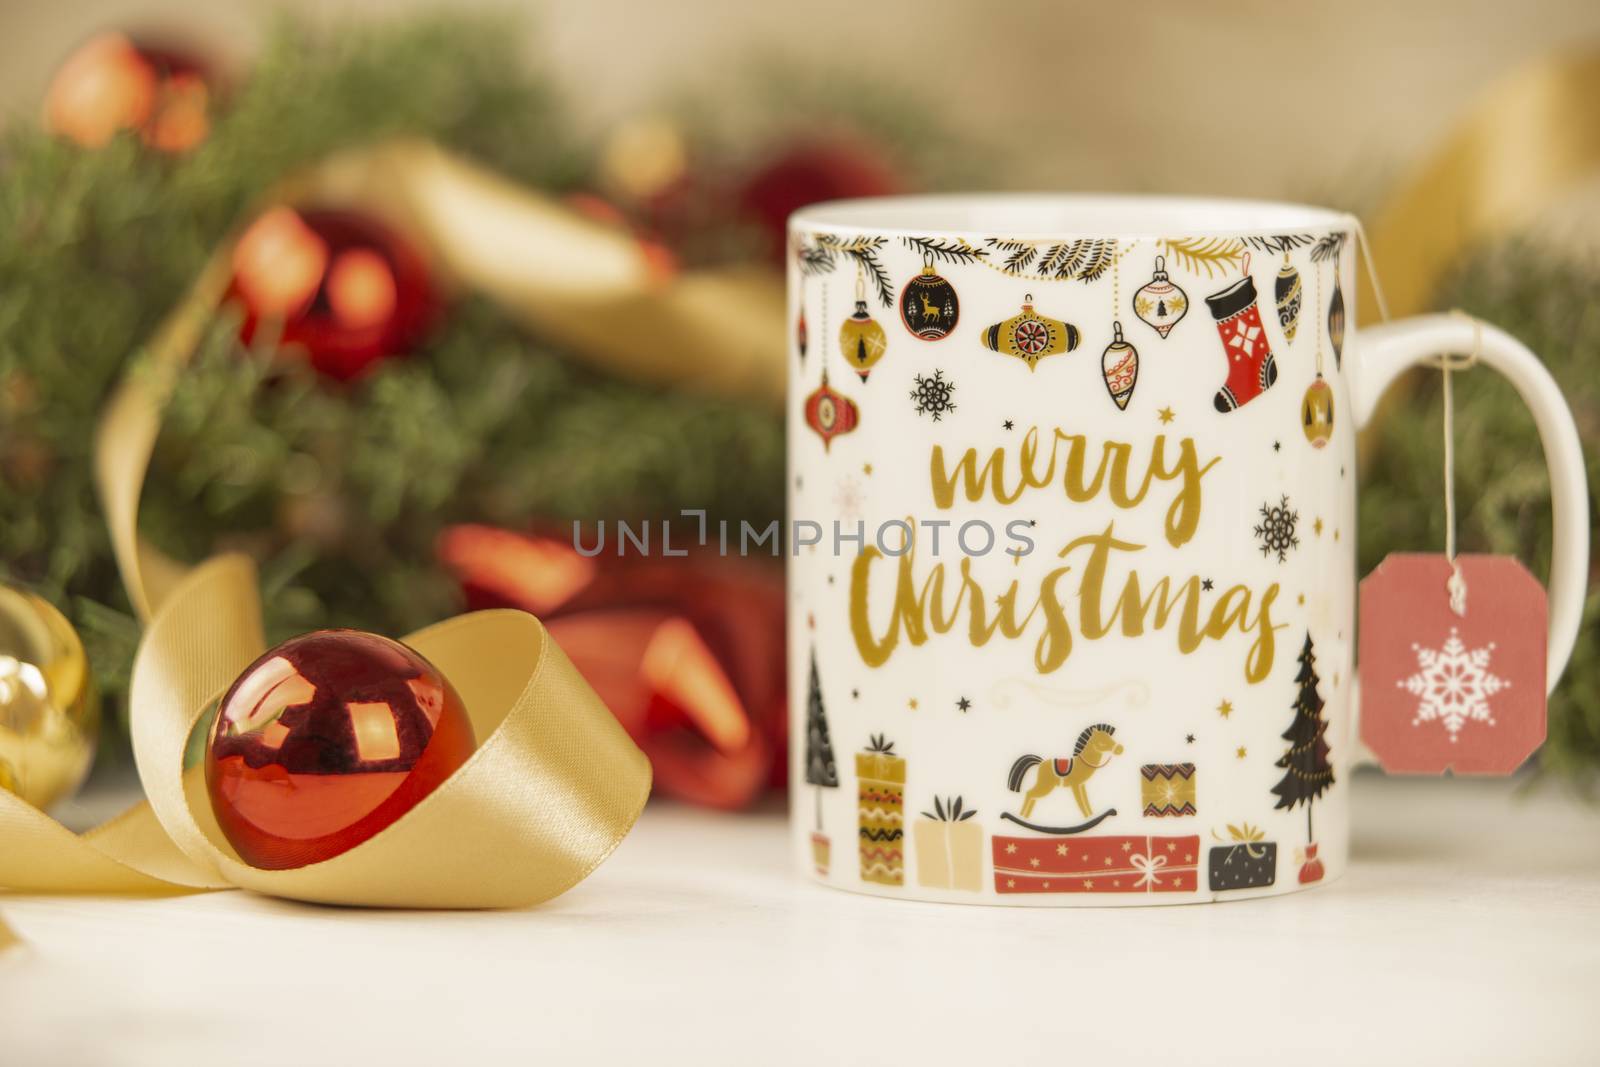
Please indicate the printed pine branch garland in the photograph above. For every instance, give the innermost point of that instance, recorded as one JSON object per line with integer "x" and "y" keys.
{"x": 956, "y": 251}
{"x": 1083, "y": 260}
{"x": 1327, "y": 248}
{"x": 864, "y": 250}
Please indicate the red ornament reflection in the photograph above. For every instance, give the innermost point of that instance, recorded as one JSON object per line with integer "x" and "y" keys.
{"x": 326, "y": 740}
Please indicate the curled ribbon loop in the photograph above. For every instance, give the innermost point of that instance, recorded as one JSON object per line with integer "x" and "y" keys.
{"x": 551, "y": 791}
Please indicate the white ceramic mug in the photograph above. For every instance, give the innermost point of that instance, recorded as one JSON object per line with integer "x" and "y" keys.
{"x": 1135, "y": 418}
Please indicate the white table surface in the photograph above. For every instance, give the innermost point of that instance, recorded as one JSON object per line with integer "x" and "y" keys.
{"x": 1467, "y": 932}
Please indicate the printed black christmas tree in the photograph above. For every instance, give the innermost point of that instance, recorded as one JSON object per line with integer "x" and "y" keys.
{"x": 820, "y": 768}
{"x": 1307, "y": 772}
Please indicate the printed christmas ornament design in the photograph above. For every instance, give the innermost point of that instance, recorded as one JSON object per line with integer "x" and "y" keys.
{"x": 1316, "y": 413}
{"x": 1120, "y": 366}
{"x": 1286, "y": 295}
{"x": 928, "y": 305}
{"x": 1251, "y": 367}
{"x": 801, "y": 334}
{"x": 1030, "y": 336}
{"x": 1336, "y": 323}
{"x": 830, "y": 413}
{"x": 862, "y": 340}
{"x": 1159, "y": 303}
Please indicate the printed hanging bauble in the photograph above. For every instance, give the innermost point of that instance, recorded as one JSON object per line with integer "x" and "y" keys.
{"x": 1159, "y": 302}
{"x": 1286, "y": 294}
{"x": 1030, "y": 336}
{"x": 830, "y": 413}
{"x": 110, "y": 84}
{"x": 1316, "y": 413}
{"x": 802, "y": 335}
{"x": 49, "y": 718}
{"x": 326, "y": 740}
{"x": 862, "y": 340}
{"x": 1336, "y": 323}
{"x": 1120, "y": 365}
{"x": 928, "y": 306}
{"x": 344, "y": 288}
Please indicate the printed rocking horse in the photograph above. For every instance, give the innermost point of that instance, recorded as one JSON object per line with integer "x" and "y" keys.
{"x": 1094, "y": 750}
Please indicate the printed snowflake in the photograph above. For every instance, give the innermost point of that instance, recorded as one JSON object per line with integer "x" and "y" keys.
{"x": 1454, "y": 685}
{"x": 848, "y": 500}
{"x": 932, "y": 395}
{"x": 1276, "y": 531}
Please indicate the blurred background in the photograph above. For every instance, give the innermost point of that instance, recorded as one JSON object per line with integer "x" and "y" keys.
{"x": 470, "y": 273}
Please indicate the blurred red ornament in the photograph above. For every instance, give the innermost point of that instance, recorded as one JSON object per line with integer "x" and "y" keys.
{"x": 326, "y": 740}
{"x": 687, "y": 652}
{"x": 810, "y": 171}
{"x": 342, "y": 286}
{"x": 110, "y": 84}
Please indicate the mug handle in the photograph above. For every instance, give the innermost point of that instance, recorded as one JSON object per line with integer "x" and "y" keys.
{"x": 1383, "y": 351}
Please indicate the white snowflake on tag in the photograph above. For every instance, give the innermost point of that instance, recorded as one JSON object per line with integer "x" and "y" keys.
{"x": 1454, "y": 684}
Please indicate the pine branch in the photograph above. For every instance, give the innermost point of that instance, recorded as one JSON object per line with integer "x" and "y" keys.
{"x": 1085, "y": 260}
{"x": 1283, "y": 242}
{"x": 864, "y": 250}
{"x": 1327, "y": 247}
{"x": 957, "y": 251}
{"x": 1214, "y": 255}
{"x": 814, "y": 260}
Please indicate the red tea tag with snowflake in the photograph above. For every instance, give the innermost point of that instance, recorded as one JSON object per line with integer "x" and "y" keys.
{"x": 1448, "y": 691}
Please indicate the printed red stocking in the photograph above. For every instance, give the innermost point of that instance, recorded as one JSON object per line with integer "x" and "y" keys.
{"x": 1251, "y": 369}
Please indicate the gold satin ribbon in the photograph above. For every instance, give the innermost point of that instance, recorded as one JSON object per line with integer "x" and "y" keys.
{"x": 1533, "y": 137}
{"x": 552, "y": 789}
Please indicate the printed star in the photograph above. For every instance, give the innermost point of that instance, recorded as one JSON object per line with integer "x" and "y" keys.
{"x": 1126, "y": 846}
{"x": 1336, "y": 535}
{"x": 1317, "y": 526}
{"x": 1011, "y": 883}
{"x": 912, "y": 703}
{"x": 855, "y": 694}
{"x": 1008, "y": 424}
{"x": 1208, "y": 585}
{"x": 964, "y": 704}
{"x": 1301, "y": 599}
{"x": 866, "y": 468}
{"x": 1336, "y": 679}
{"x": 1166, "y": 415}
{"x": 1240, "y": 752}
{"x": 1033, "y": 522}
{"x": 799, "y": 482}
{"x": 1011, "y": 850}
{"x": 1341, "y": 472}
{"x": 1034, "y": 862}
{"x": 1188, "y": 857}
{"x": 1046, "y": 885}
{"x": 1277, "y": 446}
{"x": 1225, "y": 708}
{"x": 1172, "y": 846}
{"x": 1188, "y": 738}
{"x": 1088, "y": 883}
{"x": 1108, "y": 861}
{"x": 830, "y": 579}
{"x": 1061, "y": 850}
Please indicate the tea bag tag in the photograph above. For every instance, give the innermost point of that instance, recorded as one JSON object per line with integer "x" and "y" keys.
{"x": 1452, "y": 653}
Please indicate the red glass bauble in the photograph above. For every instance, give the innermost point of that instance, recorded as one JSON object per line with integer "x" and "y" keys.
{"x": 811, "y": 171}
{"x": 326, "y": 740}
{"x": 341, "y": 286}
{"x": 110, "y": 83}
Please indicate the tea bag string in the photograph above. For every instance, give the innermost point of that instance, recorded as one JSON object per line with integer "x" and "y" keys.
{"x": 1457, "y": 585}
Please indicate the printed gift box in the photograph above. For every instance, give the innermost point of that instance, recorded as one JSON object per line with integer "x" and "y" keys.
{"x": 1118, "y": 864}
{"x": 949, "y": 848}
{"x": 880, "y": 800}
{"x": 1247, "y": 863}
{"x": 1167, "y": 789}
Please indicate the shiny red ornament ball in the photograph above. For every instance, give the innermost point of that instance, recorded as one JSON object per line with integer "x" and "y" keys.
{"x": 810, "y": 171}
{"x": 340, "y": 286}
{"x": 111, "y": 83}
{"x": 326, "y": 740}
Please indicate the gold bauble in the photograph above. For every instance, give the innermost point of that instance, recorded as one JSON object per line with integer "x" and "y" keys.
{"x": 1316, "y": 413}
{"x": 49, "y": 718}
{"x": 862, "y": 340}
